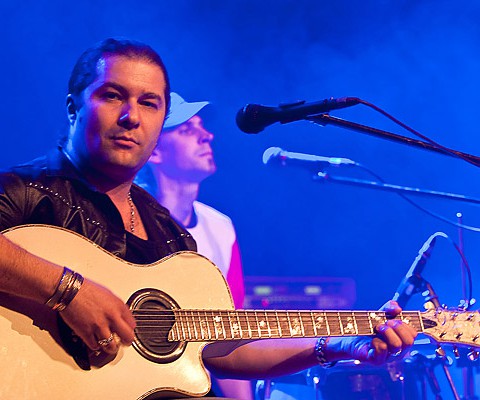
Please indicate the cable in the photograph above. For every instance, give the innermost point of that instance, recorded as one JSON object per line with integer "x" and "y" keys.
{"x": 413, "y": 203}
{"x": 416, "y": 133}
{"x": 465, "y": 264}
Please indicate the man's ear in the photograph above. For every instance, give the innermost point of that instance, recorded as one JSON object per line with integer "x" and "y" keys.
{"x": 156, "y": 157}
{"x": 71, "y": 109}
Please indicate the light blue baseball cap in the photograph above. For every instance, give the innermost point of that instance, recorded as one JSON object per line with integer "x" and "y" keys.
{"x": 181, "y": 111}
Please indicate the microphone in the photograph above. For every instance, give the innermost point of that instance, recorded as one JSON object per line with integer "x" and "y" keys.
{"x": 282, "y": 157}
{"x": 412, "y": 280}
{"x": 254, "y": 118}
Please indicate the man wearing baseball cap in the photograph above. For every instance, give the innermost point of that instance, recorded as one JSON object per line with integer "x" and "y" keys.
{"x": 182, "y": 159}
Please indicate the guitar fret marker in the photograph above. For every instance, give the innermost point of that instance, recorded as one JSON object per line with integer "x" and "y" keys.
{"x": 355, "y": 323}
{"x": 204, "y": 328}
{"x": 349, "y": 327}
{"x": 235, "y": 326}
{"x": 296, "y": 328}
{"x": 317, "y": 322}
{"x": 218, "y": 326}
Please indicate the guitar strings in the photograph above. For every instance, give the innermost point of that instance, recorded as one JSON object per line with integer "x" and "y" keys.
{"x": 247, "y": 323}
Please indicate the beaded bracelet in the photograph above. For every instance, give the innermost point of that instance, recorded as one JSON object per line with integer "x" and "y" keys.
{"x": 67, "y": 288}
{"x": 320, "y": 353}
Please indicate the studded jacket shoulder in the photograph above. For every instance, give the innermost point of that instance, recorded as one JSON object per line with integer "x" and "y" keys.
{"x": 49, "y": 190}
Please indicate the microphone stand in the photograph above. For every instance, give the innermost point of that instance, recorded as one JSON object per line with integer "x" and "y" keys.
{"x": 425, "y": 365}
{"x": 432, "y": 297}
{"x": 395, "y": 188}
{"x": 421, "y": 285}
{"x": 467, "y": 369}
{"x": 324, "y": 119}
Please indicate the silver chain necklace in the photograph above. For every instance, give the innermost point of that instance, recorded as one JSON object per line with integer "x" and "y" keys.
{"x": 132, "y": 212}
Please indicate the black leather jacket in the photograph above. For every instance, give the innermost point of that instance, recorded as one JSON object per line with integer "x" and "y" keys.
{"x": 50, "y": 190}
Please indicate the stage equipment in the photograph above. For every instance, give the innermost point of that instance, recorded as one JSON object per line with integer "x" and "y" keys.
{"x": 413, "y": 281}
{"x": 254, "y": 118}
{"x": 354, "y": 380}
{"x": 293, "y": 292}
{"x": 275, "y": 155}
{"x": 318, "y": 165}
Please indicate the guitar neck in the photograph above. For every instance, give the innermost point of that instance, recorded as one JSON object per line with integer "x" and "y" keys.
{"x": 218, "y": 325}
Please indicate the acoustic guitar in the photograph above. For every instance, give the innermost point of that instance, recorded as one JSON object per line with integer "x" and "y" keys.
{"x": 181, "y": 303}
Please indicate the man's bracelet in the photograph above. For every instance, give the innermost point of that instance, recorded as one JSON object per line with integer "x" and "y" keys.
{"x": 320, "y": 353}
{"x": 66, "y": 290}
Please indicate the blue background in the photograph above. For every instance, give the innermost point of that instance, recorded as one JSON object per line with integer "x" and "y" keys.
{"x": 417, "y": 60}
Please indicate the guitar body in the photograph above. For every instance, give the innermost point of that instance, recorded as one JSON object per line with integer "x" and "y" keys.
{"x": 180, "y": 304}
{"x": 35, "y": 365}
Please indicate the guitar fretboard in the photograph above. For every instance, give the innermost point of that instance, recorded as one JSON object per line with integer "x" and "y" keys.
{"x": 213, "y": 325}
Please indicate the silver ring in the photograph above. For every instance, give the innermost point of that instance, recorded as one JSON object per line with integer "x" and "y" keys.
{"x": 396, "y": 354}
{"x": 105, "y": 342}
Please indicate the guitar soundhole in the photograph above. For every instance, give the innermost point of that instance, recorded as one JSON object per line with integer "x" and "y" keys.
{"x": 152, "y": 310}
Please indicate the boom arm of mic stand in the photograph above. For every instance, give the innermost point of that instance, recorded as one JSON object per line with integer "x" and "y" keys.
{"x": 394, "y": 188}
{"x": 324, "y": 119}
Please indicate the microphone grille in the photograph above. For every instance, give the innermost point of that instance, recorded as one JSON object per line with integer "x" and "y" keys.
{"x": 249, "y": 120}
{"x": 271, "y": 153}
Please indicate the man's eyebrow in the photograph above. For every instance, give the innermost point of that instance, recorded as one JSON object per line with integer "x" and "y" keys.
{"x": 121, "y": 88}
{"x": 152, "y": 95}
{"x": 113, "y": 85}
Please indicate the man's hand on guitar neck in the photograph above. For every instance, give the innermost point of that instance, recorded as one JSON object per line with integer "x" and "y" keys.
{"x": 99, "y": 317}
{"x": 272, "y": 358}
{"x": 392, "y": 340}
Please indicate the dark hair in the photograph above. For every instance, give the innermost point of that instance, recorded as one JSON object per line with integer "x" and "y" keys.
{"x": 85, "y": 70}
